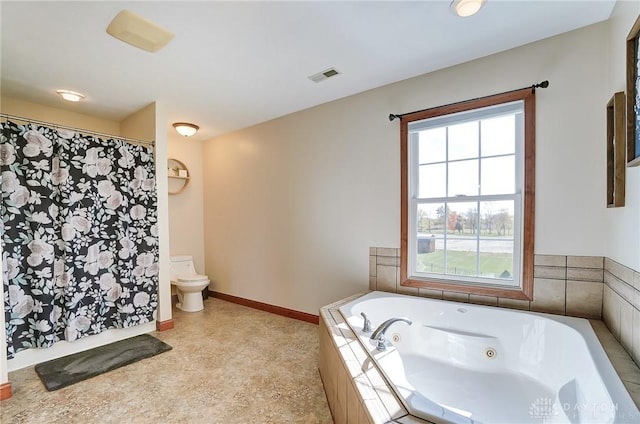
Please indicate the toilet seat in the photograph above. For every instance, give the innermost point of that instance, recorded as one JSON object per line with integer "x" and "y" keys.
{"x": 195, "y": 278}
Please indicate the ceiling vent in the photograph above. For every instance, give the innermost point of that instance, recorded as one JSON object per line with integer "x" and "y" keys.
{"x": 326, "y": 74}
{"x": 139, "y": 32}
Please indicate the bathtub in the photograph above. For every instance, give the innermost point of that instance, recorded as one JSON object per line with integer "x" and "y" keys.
{"x": 463, "y": 363}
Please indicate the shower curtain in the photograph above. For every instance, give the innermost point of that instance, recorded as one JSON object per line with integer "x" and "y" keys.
{"x": 79, "y": 235}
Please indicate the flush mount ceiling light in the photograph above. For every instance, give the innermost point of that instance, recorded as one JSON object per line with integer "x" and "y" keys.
{"x": 186, "y": 129}
{"x": 464, "y": 8}
{"x": 70, "y": 96}
{"x": 139, "y": 32}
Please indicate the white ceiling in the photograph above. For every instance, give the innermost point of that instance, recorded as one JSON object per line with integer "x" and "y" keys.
{"x": 235, "y": 64}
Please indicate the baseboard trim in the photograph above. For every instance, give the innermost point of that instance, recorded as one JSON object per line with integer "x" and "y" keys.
{"x": 278, "y": 310}
{"x": 5, "y": 391}
{"x": 164, "y": 325}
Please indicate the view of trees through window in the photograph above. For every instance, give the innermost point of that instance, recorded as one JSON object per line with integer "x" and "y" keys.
{"x": 476, "y": 244}
{"x": 466, "y": 193}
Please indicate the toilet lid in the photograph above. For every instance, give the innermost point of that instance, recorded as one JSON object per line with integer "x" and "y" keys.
{"x": 192, "y": 278}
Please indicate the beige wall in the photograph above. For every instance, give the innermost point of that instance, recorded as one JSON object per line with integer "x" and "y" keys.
{"x": 622, "y": 235}
{"x": 293, "y": 205}
{"x": 186, "y": 208}
{"x": 68, "y": 118}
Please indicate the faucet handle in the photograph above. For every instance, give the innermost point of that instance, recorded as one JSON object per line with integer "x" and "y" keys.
{"x": 366, "y": 328}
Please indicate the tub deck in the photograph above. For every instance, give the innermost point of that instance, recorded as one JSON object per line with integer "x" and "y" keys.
{"x": 357, "y": 392}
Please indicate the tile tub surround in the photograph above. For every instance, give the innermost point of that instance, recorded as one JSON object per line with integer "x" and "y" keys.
{"x": 591, "y": 287}
{"x": 621, "y": 305}
{"x": 563, "y": 285}
{"x": 357, "y": 393}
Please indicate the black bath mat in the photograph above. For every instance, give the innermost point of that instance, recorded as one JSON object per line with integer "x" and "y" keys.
{"x": 63, "y": 372}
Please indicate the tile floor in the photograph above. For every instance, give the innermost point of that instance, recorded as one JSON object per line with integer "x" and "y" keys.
{"x": 229, "y": 364}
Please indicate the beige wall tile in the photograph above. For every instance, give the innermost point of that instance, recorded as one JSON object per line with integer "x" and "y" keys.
{"x": 372, "y": 266}
{"x": 504, "y": 302}
{"x": 392, "y": 405}
{"x": 608, "y": 341}
{"x": 412, "y": 291}
{"x": 585, "y": 262}
{"x": 373, "y": 283}
{"x": 559, "y": 273}
{"x": 626, "y": 326}
{"x": 434, "y": 294}
{"x": 550, "y": 260}
{"x": 585, "y": 274}
{"x": 353, "y": 404}
{"x": 372, "y": 251}
{"x": 548, "y": 296}
{"x": 387, "y": 251}
{"x": 376, "y": 412}
{"x": 456, "y": 297}
{"x": 626, "y": 369}
{"x": 386, "y": 278}
{"x": 584, "y": 299}
{"x": 635, "y": 343}
{"x": 364, "y": 417}
{"x": 634, "y": 391}
{"x": 483, "y": 300}
{"x": 364, "y": 388}
{"x": 388, "y": 260}
{"x": 340, "y": 412}
{"x": 620, "y": 271}
{"x": 611, "y": 311}
{"x": 621, "y": 287}
{"x": 636, "y": 280}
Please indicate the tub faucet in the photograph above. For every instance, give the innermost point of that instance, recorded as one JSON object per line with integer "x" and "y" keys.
{"x": 378, "y": 334}
{"x": 366, "y": 328}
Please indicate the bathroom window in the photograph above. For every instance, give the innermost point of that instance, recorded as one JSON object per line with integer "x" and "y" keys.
{"x": 467, "y": 196}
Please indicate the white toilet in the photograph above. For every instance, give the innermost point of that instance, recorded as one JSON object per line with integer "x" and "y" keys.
{"x": 188, "y": 283}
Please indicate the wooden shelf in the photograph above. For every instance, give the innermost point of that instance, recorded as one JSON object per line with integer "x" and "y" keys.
{"x": 174, "y": 165}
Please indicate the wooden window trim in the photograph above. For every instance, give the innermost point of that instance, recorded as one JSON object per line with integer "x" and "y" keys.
{"x": 525, "y": 292}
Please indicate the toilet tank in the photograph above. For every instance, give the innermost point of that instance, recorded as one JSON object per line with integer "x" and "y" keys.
{"x": 181, "y": 265}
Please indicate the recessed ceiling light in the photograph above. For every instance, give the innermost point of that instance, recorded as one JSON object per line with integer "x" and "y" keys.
{"x": 186, "y": 129}
{"x": 139, "y": 32}
{"x": 70, "y": 96}
{"x": 464, "y": 8}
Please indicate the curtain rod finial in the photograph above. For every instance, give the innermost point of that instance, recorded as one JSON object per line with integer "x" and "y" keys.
{"x": 393, "y": 116}
{"x": 543, "y": 84}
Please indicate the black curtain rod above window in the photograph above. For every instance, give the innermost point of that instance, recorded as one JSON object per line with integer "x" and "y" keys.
{"x": 543, "y": 84}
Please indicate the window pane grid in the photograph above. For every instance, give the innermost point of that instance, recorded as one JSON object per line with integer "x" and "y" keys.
{"x": 455, "y": 231}
{"x": 459, "y": 160}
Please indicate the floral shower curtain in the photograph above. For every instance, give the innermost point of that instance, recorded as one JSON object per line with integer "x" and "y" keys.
{"x": 79, "y": 235}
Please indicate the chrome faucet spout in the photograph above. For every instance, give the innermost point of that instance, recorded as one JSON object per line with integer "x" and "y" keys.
{"x": 379, "y": 333}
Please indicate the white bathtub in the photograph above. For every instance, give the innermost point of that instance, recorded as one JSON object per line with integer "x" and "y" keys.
{"x": 463, "y": 363}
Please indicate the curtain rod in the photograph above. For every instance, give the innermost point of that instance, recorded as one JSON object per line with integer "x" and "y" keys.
{"x": 543, "y": 84}
{"x": 79, "y": 130}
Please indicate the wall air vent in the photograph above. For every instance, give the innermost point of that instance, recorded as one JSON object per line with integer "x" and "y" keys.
{"x": 321, "y": 76}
